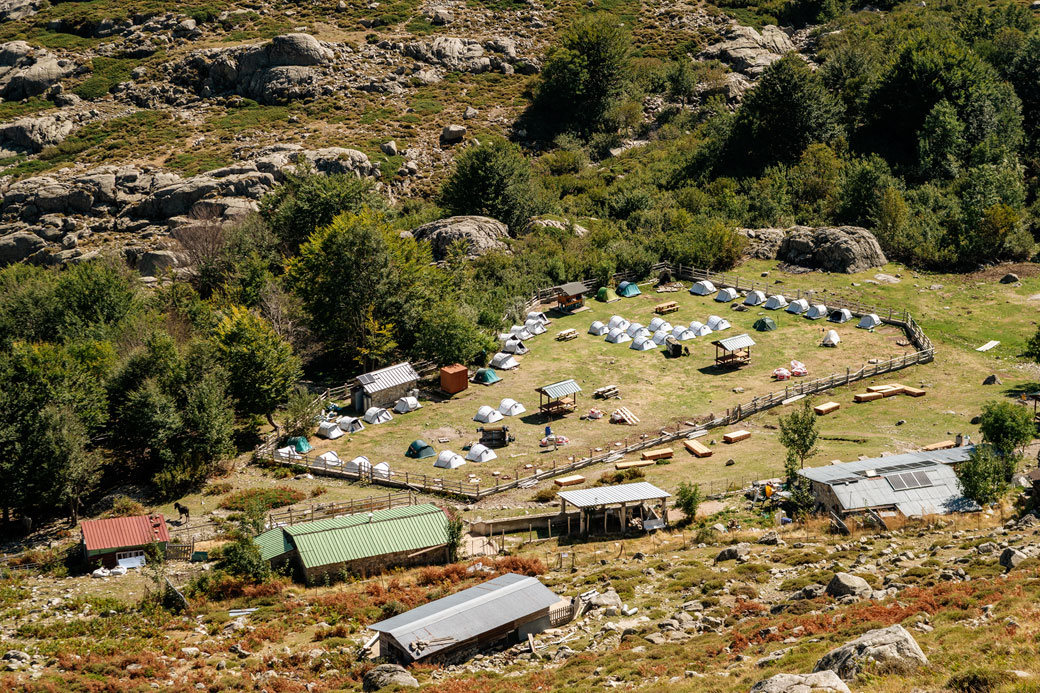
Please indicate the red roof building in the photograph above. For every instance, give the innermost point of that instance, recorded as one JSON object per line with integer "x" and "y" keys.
{"x": 106, "y": 539}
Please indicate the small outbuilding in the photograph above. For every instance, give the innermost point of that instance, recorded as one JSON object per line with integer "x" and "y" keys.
{"x": 606, "y": 295}
{"x": 734, "y": 351}
{"x": 755, "y": 298}
{"x": 486, "y": 414}
{"x": 702, "y": 288}
{"x": 869, "y": 321}
{"x": 628, "y": 290}
{"x": 840, "y": 316}
{"x": 446, "y": 459}
{"x": 377, "y": 415}
{"x": 383, "y": 387}
{"x": 558, "y": 398}
{"x": 817, "y": 311}
{"x": 798, "y": 306}
{"x": 726, "y": 295}
{"x": 598, "y": 329}
{"x": 122, "y": 540}
{"x": 570, "y": 297}
{"x": 613, "y": 507}
{"x": 480, "y": 453}
{"x": 775, "y": 302}
{"x": 488, "y": 376}
{"x": 454, "y": 379}
{"x": 419, "y": 449}
{"x": 510, "y": 407}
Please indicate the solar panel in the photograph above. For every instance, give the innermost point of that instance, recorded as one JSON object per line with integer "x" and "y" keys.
{"x": 896, "y": 481}
{"x": 922, "y": 479}
{"x": 909, "y": 480}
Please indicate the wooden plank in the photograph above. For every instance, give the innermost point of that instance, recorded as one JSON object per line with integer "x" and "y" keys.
{"x": 894, "y": 391}
{"x": 867, "y": 396}
{"x": 942, "y": 445}
{"x": 736, "y": 436}
{"x": 570, "y": 480}
{"x": 697, "y": 448}
{"x": 913, "y": 391}
{"x": 826, "y": 408}
{"x": 880, "y": 388}
{"x": 658, "y": 454}
{"x": 988, "y": 345}
{"x": 633, "y": 464}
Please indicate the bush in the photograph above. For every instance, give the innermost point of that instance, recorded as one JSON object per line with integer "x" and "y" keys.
{"x": 122, "y": 506}
{"x": 687, "y": 498}
{"x": 978, "y": 680}
{"x": 217, "y": 488}
{"x": 544, "y": 495}
{"x": 241, "y": 558}
{"x": 265, "y": 498}
{"x": 492, "y": 180}
{"x": 620, "y": 477}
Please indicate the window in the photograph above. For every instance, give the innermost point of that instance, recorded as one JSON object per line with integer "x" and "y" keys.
{"x": 120, "y": 555}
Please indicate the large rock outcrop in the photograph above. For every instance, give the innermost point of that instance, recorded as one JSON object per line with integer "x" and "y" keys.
{"x": 846, "y": 249}
{"x": 386, "y": 675}
{"x": 844, "y": 584}
{"x": 748, "y": 51}
{"x": 885, "y": 650}
{"x": 31, "y": 135}
{"x": 26, "y": 71}
{"x": 480, "y": 234}
{"x": 818, "y": 682}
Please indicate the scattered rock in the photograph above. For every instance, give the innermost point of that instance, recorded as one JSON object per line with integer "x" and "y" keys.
{"x": 732, "y": 553}
{"x": 817, "y": 682}
{"x": 1011, "y": 558}
{"x": 480, "y": 234}
{"x": 748, "y": 51}
{"x": 843, "y": 584}
{"x": 386, "y": 675}
{"x": 453, "y": 133}
{"x": 389, "y": 148}
{"x": 890, "y": 649}
{"x": 1009, "y": 278}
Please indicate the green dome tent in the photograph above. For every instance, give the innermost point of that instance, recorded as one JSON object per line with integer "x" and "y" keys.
{"x": 300, "y": 444}
{"x": 765, "y": 325}
{"x": 420, "y": 449}
{"x": 606, "y": 295}
{"x": 628, "y": 290}
{"x": 486, "y": 376}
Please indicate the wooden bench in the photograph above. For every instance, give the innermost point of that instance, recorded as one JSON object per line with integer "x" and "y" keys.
{"x": 666, "y": 307}
{"x": 698, "y": 448}
{"x": 658, "y": 454}
{"x": 736, "y": 436}
{"x": 570, "y": 480}
{"x": 826, "y": 408}
{"x": 635, "y": 463}
{"x": 867, "y": 396}
{"x": 566, "y": 335}
{"x": 943, "y": 445}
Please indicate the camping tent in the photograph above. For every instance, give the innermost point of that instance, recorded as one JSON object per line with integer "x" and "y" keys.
{"x": 831, "y": 339}
{"x": 539, "y": 316}
{"x": 869, "y": 321}
{"x": 700, "y": 329}
{"x": 660, "y": 336}
{"x": 798, "y": 306}
{"x": 726, "y": 295}
{"x": 299, "y": 444}
{"x": 717, "y": 324}
{"x": 765, "y": 325}
{"x": 659, "y": 324}
{"x": 628, "y": 289}
{"x": 510, "y": 407}
{"x": 480, "y": 453}
{"x": 286, "y": 454}
{"x": 618, "y": 322}
{"x": 606, "y": 295}
{"x": 381, "y": 471}
{"x": 817, "y": 311}
{"x": 350, "y": 424}
{"x": 702, "y": 288}
{"x": 841, "y": 315}
{"x": 755, "y": 298}
{"x": 420, "y": 449}
{"x": 682, "y": 332}
{"x": 486, "y": 376}
{"x": 635, "y": 330}
{"x": 503, "y": 362}
{"x": 535, "y": 327}
{"x": 487, "y": 415}
{"x": 330, "y": 459}
{"x": 642, "y": 343}
{"x": 407, "y": 404}
{"x": 514, "y": 346}
{"x": 598, "y": 329}
{"x": 449, "y": 460}
{"x": 775, "y": 302}
{"x": 330, "y": 430}
{"x": 358, "y": 465}
{"x": 377, "y": 415}
{"x": 617, "y": 336}
{"x": 519, "y": 332}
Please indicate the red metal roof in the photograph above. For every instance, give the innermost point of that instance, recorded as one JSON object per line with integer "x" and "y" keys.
{"x": 119, "y": 532}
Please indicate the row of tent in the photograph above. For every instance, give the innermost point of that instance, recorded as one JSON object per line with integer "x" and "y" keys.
{"x": 777, "y": 301}
{"x": 374, "y": 415}
{"x": 624, "y": 290}
{"x": 508, "y": 407}
{"x": 619, "y": 330}
{"x": 446, "y": 459}
{"x": 513, "y": 341}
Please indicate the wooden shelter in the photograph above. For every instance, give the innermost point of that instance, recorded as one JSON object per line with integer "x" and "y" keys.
{"x": 558, "y": 398}
{"x": 570, "y": 296}
{"x": 617, "y": 505}
{"x": 734, "y": 351}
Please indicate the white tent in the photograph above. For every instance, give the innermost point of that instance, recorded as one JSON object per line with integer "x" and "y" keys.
{"x": 599, "y": 329}
{"x": 330, "y": 430}
{"x": 775, "y": 302}
{"x": 660, "y": 324}
{"x": 831, "y": 339}
{"x": 381, "y": 471}
{"x": 535, "y": 327}
{"x": 330, "y": 458}
{"x": 798, "y": 306}
{"x": 514, "y": 346}
{"x": 480, "y": 453}
{"x": 287, "y": 453}
{"x": 635, "y": 330}
{"x": 717, "y": 324}
{"x": 682, "y": 332}
{"x": 447, "y": 459}
{"x": 510, "y": 407}
{"x": 539, "y": 316}
{"x": 377, "y": 415}
{"x": 869, "y": 321}
{"x": 487, "y": 415}
{"x": 520, "y": 332}
{"x": 755, "y": 298}
{"x": 841, "y": 315}
{"x": 503, "y": 361}
{"x": 702, "y": 288}
{"x": 660, "y": 336}
{"x": 350, "y": 424}
{"x": 726, "y": 295}
{"x": 618, "y": 336}
{"x": 700, "y": 329}
{"x": 817, "y": 311}
{"x": 358, "y": 465}
{"x": 642, "y": 343}
{"x": 618, "y": 322}
{"x": 407, "y": 404}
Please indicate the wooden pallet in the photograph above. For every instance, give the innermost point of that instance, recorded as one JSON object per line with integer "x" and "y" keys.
{"x": 626, "y": 416}
{"x": 697, "y": 448}
{"x": 736, "y": 436}
{"x": 867, "y": 396}
{"x": 826, "y": 408}
{"x": 635, "y": 463}
{"x": 606, "y": 392}
{"x": 658, "y": 454}
{"x": 570, "y": 480}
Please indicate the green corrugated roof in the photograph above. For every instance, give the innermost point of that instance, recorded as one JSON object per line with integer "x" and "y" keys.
{"x": 273, "y": 543}
{"x": 340, "y": 539}
{"x": 560, "y": 389}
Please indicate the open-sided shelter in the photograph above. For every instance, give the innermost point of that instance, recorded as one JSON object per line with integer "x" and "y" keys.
{"x": 765, "y": 325}
{"x": 598, "y": 329}
{"x": 510, "y": 407}
{"x": 480, "y": 453}
{"x": 840, "y": 315}
{"x": 383, "y": 387}
{"x": 419, "y": 449}
{"x": 558, "y": 398}
{"x": 702, "y": 288}
{"x": 617, "y": 336}
{"x": 611, "y": 507}
{"x": 869, "y": 321}
{"x": 606, "y": 295}
{"x": 122, "y": 540}
{"x": 733, "y": 351}
{"x": 507, "y": 608}
{"x": 817, "y": 311}
{"x": 407, "y": 404}
{"x": 488, "y": 376}
{"x": 446, "y": 459}
{"x": 628, "y": 290}
{"x": 775, "y": 302}
{"x": 798, "y": 306}
{"x": 643, "y": 343}
{"x": 617, "y": 322}
{"x": 726, "y": 295}
{"x": 377, "y": 415}
{"x": 570, "y": 296}
{"x": 755, "y": 298}
{"x": 486, "y": 414}
{"x": 330, "y": 430}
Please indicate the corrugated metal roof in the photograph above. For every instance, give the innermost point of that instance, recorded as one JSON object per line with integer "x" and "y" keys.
{"x": 273, "y": 543}
{"x": 831, "y": 473}
{"x": 572, "y": 288}
{"x": 737, "y": 341}
{"x": 388, "y": 377}
{"x": 443, "y": 623}
{"x": 560, "y": 389}
{"x": 121, "y": 532}
{"x": 340, "y": 539}
{"x": 605, "y": 495}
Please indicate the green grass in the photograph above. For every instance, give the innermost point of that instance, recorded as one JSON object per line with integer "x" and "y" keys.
{"x": 248, "y": 115}
{"x": 106, "y": 73}
{"x": 9, "y": 110}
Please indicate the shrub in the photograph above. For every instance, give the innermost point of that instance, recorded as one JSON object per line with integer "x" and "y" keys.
{"x": 620, "y": 477}
{"x": 122, "y": 506}
{"x": 217, "y": 488}
{"x": 544, "y": 495}
{"x": 266, "y": 498}
{"x": 978, "y": 680}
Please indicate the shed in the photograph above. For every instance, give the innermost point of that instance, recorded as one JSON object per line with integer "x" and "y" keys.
{"x": 775, "y": 302}
{"x": 755, "y": 298}
{"x": 869, "y": 321}
{"x": 557, "y": 398}
{"x": 446, "y": 459}
{"x": 419, "y": 449}
{"x": 702, "y": 288}
{"x": 510, "y": 407}
{"x": 111, "y": 540}
{"x": 377, "y": 415}
{"x": 798, "y": 306}
{"x": 840, "y": 315}
{"x": 617, "y": 322}
{"x": 486, "y": 414}
{"x": 480, "y": 453}
{"x": 507, "y": 608}
{"x": 765, "y": 325}
{"x": 383, "y": 387}
{"x": 618, "y": 504}
{"x": 817, "y": 311}
{"x": 617, "y": 336}
{"x": 570, "y": 296}
{"x": 733, "y": 351}
{"x": 454, "y": 378}
{"x": 606, "y": 295}
{"x": 487, "y": 376}
{"x": 628, "y": 290}
{"x": 598, "y": 329}
{"x": 726, "y": 295}
{"x": 407, "y": 404}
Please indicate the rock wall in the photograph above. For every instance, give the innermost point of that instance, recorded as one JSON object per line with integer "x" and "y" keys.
{"x": 845, "y": 249}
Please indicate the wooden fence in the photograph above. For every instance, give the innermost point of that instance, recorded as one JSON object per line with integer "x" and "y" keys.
{"x": 924, "y": 353}
{"x": 291, "y": 516}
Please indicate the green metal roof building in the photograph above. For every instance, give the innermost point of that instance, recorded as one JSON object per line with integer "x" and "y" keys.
{"x": 361, "y": 544}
